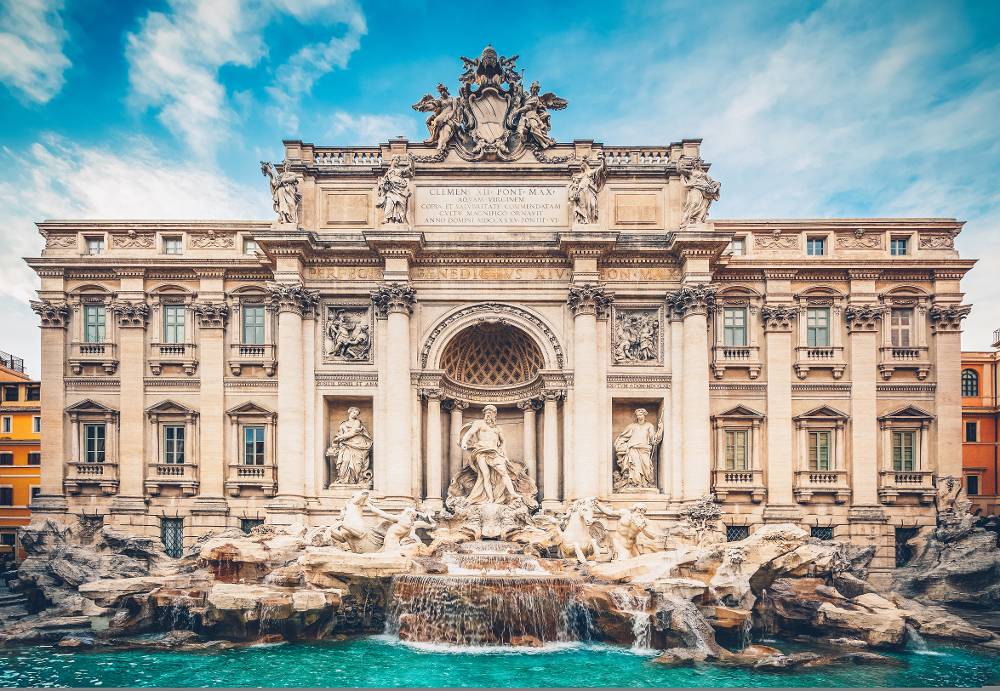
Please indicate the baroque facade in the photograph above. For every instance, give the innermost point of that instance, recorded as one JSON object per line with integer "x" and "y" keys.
{"x": 223, "y": 373}
{"x": 981, "y": 427}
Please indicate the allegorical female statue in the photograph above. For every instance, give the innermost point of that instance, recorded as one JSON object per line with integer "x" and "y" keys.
{"x": 634, "y": 448}
{"x": 583, "y": 191}
{"x": 490, "y": 477}
{"x": 702, "y": 190}
{"x": 349, "y": 452}
{"x": 284, "y": 191}
{"x": 394, "y": 190}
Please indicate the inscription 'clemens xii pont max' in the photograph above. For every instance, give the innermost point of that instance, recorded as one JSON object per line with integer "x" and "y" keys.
{"x": 491, "y": 205}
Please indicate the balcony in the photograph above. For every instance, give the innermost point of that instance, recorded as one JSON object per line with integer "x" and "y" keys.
{"x": 254, "y": 477}
{"x": 101, "y": 475}
{"x": 184, "y": 355}
{"x": 183, "y": 476}
{"x": 103, "y": 355}
{"x": 244, "y": 355}
{"x": 820, "y": 357}
{"x": 726, "y": 482}
{"x": 736, "y": 357}
{"x": 892, "y": 358}
{"x": 826, "y": 482}
{"x": 918, "y": 483}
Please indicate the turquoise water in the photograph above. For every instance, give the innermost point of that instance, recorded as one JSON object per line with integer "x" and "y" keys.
{"x": 379, "y": 661}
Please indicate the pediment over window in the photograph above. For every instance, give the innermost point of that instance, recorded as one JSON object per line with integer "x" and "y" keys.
{"x": 248, "y": 409}
{"x": 910, "y": 412}
{"x": 740, "y": 412}
{"x": 169, "y": 407}
{"x": 89, "y": 407}
{"x": 824, "y": 412}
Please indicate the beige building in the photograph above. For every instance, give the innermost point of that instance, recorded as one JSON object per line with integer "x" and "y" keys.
{"x": 802, "y": 370}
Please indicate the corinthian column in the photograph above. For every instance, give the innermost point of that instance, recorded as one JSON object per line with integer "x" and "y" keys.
{"x": 454, "y": 438}
{"x": 132, "y": 317}
{"x": 777, "y": 321}
{"x": 946, "y": 325}
{"x": 586, "y": 301}
{"x": 693, "y": 303}
{"x": 54, "y": 317}
{"x": 550, "y": 448}
{"x": 862, "y": 325}
{"x": 675, "y": 486}
{"x": 528, "y": 429}
{"x": 211, "y": 318}
{"x": 433, "y": 460}
{"x": 394, "y": 302}
{"x": 291, "y": 301}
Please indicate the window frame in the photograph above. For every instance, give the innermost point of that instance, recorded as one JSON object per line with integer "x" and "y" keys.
{"x": 33, "y": 393}
{"x": 905, "y": 240}
{"x": 249, "y": 241}
{"x": 36, "y": 424}
{"x": 974, "y": 426}
{"x": 95, "y": 323}
{"x": 259, "y": 444}
{"x": 173, "y": 245}
{"x": 818, "y": 239}
{"x": 914, "y": 460}
{"x": 34, "y": 458}
{"x": 261, "y": 327}
{"x": 813, "y": 329}
{"x": 969, "y": 479}
{"x": 99, "y": 452}
{"x": 7, "y": 491}
{"x": 970, "y": 383}
{"x": 813, "y": 437}
{"x": 4, "y": 455}
{"x": 742, "y": 245}
{"x": 98, "y": 242}
{"x": 174, "y": 322}
{"x": 7, "y": 389}
{"x": 731, "y": 436}
{"x": 174, "y": 449}
{"x": 729, "y": 331}
{"x": 7, "y": 424}
{"x": 897, "y": 328}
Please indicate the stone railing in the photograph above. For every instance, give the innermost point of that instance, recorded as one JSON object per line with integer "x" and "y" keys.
{"x": 183, "y": 354}
{"x": 892, "y": 358}
{"x": 893, "y": 483}
{"x": 81, "y": 474}
{"x": 259, "y": 478}
{"x": 819, "y": 357}
{"x": 245, "y": 354}
{"x": 182, "y": 475}
{"x": 348, "y": 157}
{"x": 827, "y": 482}
{"x": 637, "y": 157}
{"x": 726, "y": 482}
{"x": 103, "y": 355}
{"x": 736, "y": 357}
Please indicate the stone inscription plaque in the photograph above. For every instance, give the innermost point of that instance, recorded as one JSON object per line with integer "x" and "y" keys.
{"x": 491, "y": 205}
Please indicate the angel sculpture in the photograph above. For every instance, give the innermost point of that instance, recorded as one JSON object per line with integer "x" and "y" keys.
{"x": 583, "y": 191}
{"x": 535, "y": 119}
{"x": 394, "y": 190}
{"x": 284, "y": 190}
{"x": 443, "y": 118}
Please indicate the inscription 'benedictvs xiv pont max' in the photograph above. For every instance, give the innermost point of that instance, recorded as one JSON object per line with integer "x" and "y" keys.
{"x": 575, "y": 303}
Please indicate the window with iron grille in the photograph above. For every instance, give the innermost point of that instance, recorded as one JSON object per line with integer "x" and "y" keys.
{"x": 172, "y": 534}
{"x": 735, "y": 533}
{"x": 903, "y": 551}
{"x": 173, "y": 444}
{"x": 822, "y": 532}
{"x": 248, "y": 524}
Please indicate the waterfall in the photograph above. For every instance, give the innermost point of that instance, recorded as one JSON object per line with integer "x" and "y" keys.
{"x": 699, "y": 633}
{"x": 637, "y": 605}
{"x": 746, "y": 631}
{"x": 917, "y": 642}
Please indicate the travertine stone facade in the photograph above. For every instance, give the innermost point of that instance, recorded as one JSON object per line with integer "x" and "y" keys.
{"x": 802, "y": 370}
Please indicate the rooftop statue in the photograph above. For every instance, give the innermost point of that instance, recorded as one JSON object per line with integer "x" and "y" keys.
{"x": 394, "y": 190}
{"x": 284, "y": 191}
{"x": 702, "y": 190}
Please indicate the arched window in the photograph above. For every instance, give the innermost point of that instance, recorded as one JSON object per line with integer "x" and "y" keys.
{"x": 970, "y": 383}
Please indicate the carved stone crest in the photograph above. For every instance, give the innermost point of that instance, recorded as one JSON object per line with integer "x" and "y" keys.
{"x": 493, "y": 116}
{"x": 636, "y": 337}
{"x": 348, "y": 334}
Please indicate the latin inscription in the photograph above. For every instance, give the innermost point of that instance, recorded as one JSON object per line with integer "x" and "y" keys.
{"x": 491, "y": 205}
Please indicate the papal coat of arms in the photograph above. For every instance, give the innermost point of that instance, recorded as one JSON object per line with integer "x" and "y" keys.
{"x": 492, "y": 117}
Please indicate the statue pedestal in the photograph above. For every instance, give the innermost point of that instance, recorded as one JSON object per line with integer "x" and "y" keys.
{"x": 278, "y": 225}
{"x": 343, "y": 491}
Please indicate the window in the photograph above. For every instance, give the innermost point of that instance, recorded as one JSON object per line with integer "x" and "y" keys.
{"x": 6, "y": 496}
{"x": 7, "y": 424}
{"x": 897, "y": 247}
{"x": 971, "y": 431}
{"x": 734, "y": 326}
{"x": 970, "y": 382}
{"x": 173, "y": 444}
{"x": 901, "y": 327}
{"x": 34, "y": 458}
{"x": 253, "y": 445}
{"x": 736, "y": 449}
{"x": 735, "y": 533}
{"x": 972, "y": 485}
{"x": 6, "y": 458}
{"x": 249, "y": 246}
{"x": 816, "y": 247}
{"x": 10, "y": 392}
{"x": 172, "y": 534}
{"x": 93, "y": 443}
{"x": 94, "y": 318}
{"x": 35, "y": 491}
{"x": 903, "y": 450}
{"x": 173, "y": 323}
{"x": 173, "y": 245}
{"x": 738, "y": 247}
{"x": 33, "y": 393}
{"x": 36, "y": 424}
{"x": 253, "y": 324}
{"x": 95, "y": 245}
{"x": 818, "y": 327}
{"x": 820, "y": 444}
{"x": 8, "y": 539}
{"x": 248, "y": 524}
{"x": 821, "y": 532}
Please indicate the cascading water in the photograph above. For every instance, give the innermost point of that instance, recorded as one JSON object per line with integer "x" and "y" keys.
{"x": 637, "y": 605}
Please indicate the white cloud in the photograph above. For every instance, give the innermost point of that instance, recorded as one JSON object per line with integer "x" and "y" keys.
{"x": 32, "y": 61}
{"x": 369, "y": 128}
{"x": 176, "y": 56}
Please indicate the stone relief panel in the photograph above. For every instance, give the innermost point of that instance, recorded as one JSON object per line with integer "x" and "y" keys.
{"x": 348, "y": 333}
{"x": 637, "y": 336}
{"x": 859, "y": 240}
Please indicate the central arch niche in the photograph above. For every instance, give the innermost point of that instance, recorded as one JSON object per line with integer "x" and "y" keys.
{"x": 492, "y": 356}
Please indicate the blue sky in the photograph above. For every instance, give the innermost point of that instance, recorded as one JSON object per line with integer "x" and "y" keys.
{"x": 807, "y": 109}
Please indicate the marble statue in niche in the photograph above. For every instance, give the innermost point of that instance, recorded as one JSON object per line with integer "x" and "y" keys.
{"x": 635, "y": 448}
{"x": 349, "y": 335}
{"x": 583, "y": 189}
{"x": 394, "y": 190}
{"x": 350, "y": 452}
{"x": 284, "y": 191}
{"x": 702, "y": 190}
{"x": 490, "y": 477}
{"x": 636, "y": 336}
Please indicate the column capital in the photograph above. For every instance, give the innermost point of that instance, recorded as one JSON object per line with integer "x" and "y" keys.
{"x": 131, "y": 314}
{"x": 777, "y": 317}
{"x": 430, "y": 394}
{"x": 553, "y": 394}
{"x": 54, "y": 314}
{"x": 291, "y": 297}
{"x": 697, "y": 298}
{"x": 528, "y": 404}
{"x": 862, "y": 317}
{"x": 589, "y": 298}
{"x": 948, "y": 318}
{"x": 211, "y": 315}
{"x": 396, "y": 297}
{"x": 455, "y": 404}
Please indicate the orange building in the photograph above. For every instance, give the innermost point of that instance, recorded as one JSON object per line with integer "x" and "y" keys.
{"x": 20, "y": 449}
{"x": 981, "y": 426}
